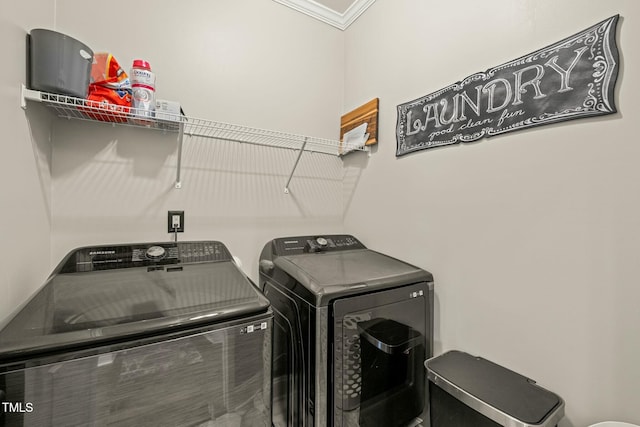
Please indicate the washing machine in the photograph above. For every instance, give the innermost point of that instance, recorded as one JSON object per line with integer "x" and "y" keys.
{"x": 151, "y": 334}
{"x": 352, "y": 329}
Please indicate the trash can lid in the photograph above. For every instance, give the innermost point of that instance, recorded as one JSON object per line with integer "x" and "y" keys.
{"x": 493, "y": 390}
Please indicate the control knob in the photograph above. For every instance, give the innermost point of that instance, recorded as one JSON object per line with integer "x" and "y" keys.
{"x": 266, "y": 266}
{"x": 155, "y": 252}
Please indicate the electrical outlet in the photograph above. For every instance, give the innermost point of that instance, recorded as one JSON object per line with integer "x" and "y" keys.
{"x": 175, "y": 222}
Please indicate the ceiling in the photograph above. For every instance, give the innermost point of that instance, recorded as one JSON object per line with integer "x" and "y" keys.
{"x": 339, "y": 6}
{"x": 338, "y": 13}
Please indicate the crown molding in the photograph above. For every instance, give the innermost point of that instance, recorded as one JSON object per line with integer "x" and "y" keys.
{"x": 327, "y": 15}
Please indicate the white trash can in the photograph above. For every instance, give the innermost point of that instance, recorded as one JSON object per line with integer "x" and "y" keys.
{"x": 613, "y": 424}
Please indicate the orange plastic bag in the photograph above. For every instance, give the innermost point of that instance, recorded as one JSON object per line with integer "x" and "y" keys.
{"x": 109, "y": 97}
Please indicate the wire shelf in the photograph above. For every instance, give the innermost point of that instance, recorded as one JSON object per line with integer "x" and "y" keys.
{"x": 82, "y": 109}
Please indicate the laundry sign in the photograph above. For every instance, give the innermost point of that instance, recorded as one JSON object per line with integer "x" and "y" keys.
{"x": 571, "y": 79}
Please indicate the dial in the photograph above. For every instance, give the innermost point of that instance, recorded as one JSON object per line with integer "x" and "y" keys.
{"x": 321, "y": 241}
{"x": 156, "y": 252}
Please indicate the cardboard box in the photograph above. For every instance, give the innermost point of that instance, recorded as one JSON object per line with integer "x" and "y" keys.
{"x": 169, "y": 114}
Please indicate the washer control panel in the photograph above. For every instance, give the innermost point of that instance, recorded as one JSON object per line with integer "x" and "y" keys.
{"x": 314, "y": 244}
{"x": 143, "y": 254}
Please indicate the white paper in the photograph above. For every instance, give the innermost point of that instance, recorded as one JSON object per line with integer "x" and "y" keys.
{"x": 356, "y": 137}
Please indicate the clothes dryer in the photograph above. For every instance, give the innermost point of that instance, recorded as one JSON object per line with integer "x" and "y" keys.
{"x": 352, "y": 329}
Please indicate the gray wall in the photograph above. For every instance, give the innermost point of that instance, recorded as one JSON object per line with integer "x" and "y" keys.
{"x": 25, "y": 197}
{"x": 533, "y": 237}
{"x": 249, "y": 62}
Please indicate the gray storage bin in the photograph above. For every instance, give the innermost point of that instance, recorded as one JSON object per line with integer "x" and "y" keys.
{"x": 59, "y": 63}
{"x": 466, "y": 391}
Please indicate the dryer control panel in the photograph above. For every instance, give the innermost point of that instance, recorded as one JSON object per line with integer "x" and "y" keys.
{"x": 313, "y": 244}
{"x": 93, "y": 258}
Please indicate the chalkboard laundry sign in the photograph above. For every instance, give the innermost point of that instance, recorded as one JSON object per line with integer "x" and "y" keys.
{"x": 570, "y": 79}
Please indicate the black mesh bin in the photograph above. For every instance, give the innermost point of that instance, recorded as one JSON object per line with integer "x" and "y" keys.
{"x": 466, "y": 391}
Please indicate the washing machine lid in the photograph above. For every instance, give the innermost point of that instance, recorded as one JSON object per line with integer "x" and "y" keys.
{"x": 330, "y": 275}
{"x": 112, "y": 293}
